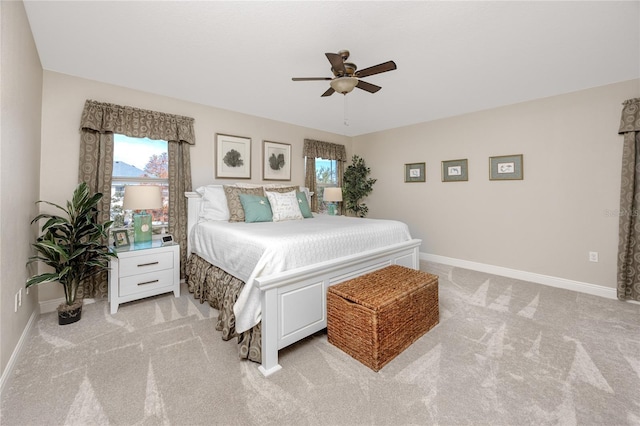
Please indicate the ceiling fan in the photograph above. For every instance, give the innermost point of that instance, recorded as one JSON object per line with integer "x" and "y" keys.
{"x": 345, "y": 75}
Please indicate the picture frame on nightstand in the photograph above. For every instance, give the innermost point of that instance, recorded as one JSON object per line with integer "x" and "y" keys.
{"x": 121, "y": 238}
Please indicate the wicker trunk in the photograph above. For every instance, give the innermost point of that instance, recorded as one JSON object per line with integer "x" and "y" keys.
{"x": 376, "y": 316}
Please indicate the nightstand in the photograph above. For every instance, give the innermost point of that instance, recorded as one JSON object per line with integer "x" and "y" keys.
{"x": 143, "y": 270}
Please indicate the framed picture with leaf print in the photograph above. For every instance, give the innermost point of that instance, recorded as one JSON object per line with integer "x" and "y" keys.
{"x": 233, "y": 157}
{"x": 276, "y": 161}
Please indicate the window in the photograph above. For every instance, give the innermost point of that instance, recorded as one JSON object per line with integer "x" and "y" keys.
{"x": 326, "y": 176}
{"x": 139, "y": 161}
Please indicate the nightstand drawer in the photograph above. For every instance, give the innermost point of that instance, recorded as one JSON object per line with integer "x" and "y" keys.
{"x": 145, "y": 282}
{"x": 145, "y": 263}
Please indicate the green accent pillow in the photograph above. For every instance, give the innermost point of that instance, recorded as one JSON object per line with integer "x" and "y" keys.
{"x": 304, "y": 205}
{"x": 256, "y": 208}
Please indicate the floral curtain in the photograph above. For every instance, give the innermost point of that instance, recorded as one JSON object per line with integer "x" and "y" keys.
{"x": 629, "y": 227}
{"x": 98, "y": 124}
{"x": 313, "y": 149}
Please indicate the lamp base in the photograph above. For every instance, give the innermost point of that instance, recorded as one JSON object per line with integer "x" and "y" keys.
{"x": 331, "y": 209}
{"x": 141, "y": 227}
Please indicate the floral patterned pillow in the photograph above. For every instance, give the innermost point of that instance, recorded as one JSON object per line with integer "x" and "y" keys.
{"x": 236, "y": 212}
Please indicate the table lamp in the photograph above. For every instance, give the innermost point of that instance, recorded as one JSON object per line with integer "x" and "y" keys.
{"x": 142, "y": 198}
{"x": 332, "y": 196}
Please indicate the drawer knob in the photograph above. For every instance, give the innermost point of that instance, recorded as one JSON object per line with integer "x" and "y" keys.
{"x": 147, "y": 264}
{"x": 148, "y": 282}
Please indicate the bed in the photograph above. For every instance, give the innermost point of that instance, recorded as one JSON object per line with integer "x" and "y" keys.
{"x": 282, "y": 270}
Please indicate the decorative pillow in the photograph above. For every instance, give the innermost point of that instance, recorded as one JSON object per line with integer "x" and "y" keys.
{"x": 280, "y": 189}
{"x": 284, "y": 206}
{"x": 214, "y": 203}
{"x": 248, "y": 185}
{"x": 236, "y": 212}
{"x": 304, "y": 205}
{"x": 256, "y": 208}
{"x": 307, "y": 193}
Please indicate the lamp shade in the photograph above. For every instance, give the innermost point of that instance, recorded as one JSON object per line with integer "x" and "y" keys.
{"x": 142, "y": 197}
{"x": 343, "y": 84}
{"x": 332, "y": 195}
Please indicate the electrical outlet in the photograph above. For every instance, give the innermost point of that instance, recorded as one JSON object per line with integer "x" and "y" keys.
{"x": 593, "y": 256}
{"x": 20, "y": 297}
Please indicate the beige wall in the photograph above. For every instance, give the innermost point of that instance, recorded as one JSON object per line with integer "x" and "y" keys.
{"x": 63, "y": 100}
{"x": 544, "y": 224}
{"x": 20, "y": 108}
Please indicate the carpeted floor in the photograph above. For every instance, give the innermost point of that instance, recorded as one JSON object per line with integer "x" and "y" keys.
{"x": 505, "y": 352}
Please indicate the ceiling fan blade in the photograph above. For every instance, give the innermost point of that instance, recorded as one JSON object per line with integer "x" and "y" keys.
{"x": 371, "y": 88}
{"x": 376, "y": 69}
{"x": 336, "y": 63}
{"x": 329, "y": 92}
{"x": 310, "y": 78}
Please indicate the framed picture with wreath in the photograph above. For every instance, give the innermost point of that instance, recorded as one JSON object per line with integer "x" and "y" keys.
{"x": 120, "y": 238}
{"x": 276, "y": 161}
{"x": 233, "y": 157}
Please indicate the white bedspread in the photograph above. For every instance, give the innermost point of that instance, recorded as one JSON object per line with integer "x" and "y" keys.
{"x": 250, "y": 250}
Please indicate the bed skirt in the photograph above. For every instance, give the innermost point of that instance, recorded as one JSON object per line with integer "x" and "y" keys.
{"x": 211, "y": 284}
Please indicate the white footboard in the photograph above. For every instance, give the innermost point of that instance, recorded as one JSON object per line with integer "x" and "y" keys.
{"x": 294, "y": 302}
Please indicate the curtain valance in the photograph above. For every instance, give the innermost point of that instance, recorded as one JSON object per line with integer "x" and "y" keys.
{"x": 327, "y": 150}
{"x": 630, "y": 121}
{"x": 135, "y": 122}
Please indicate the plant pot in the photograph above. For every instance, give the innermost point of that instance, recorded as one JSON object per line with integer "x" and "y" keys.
{"x": 68, "y": 314}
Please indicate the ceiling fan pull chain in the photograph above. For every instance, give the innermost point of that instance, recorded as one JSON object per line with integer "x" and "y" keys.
{"x": 346, "y": 113}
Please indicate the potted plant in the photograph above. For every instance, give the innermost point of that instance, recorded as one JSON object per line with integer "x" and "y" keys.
{"x": 73, "y": 245}
{"x": 356, "y": 186}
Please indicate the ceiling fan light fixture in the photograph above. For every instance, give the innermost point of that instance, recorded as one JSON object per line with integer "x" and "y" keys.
{"x": 344, "y": 85}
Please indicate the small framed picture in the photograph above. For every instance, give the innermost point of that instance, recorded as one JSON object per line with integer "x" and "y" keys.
{"x": 233, "y": 157}
{"x": 455, "y": 170}
{"x": 414, "y": 172}
{"x": 276, "y": 161}
{"x": 120, "y": 238}
{"x": 506, "y": 167}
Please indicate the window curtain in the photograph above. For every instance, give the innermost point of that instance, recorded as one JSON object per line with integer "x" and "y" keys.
{"x": 317, "y": 149}
{"x": 98, "y": 124}
{"x": 629, "y": 228}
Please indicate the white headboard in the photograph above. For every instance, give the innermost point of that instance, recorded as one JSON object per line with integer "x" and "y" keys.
{"x": 193, "y": 210}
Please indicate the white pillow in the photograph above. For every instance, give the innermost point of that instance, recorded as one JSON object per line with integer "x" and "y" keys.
{"x": 284, "y": 206}
{"x": 214, "y": 203}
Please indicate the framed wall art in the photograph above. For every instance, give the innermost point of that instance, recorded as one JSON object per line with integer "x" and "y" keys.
{"x": 276, "y": 161}
{"x": 506, "y": 167}
{"x": 455, "y": 170}
{"x": 414, "y": 172}
{"x": 233, "y": 157}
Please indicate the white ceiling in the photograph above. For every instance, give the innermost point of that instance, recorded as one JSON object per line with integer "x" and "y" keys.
{"x": 452, "y": 57}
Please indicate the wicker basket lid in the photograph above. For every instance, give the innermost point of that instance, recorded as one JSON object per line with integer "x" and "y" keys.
{"x": 379, "y": 288}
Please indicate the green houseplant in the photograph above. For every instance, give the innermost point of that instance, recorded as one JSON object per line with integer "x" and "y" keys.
{"x": 73, "y": 245}
{"x": 356, "y": 185}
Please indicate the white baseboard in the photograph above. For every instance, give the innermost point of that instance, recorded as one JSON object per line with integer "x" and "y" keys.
{"x": 18, "y": 349}
{"x": 50, "y": 305}
{"x": 582, "y": 287}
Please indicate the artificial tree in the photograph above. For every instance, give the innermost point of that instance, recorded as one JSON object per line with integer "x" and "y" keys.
{"x": 74, "y": 246}
{"x": 356, "y": 186}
